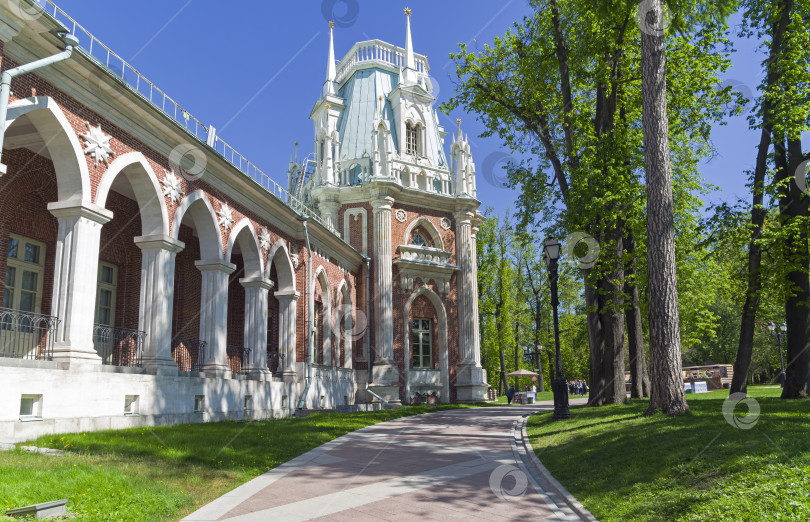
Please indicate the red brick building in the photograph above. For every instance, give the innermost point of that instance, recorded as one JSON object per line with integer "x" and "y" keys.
{"x": 155, "y": 275}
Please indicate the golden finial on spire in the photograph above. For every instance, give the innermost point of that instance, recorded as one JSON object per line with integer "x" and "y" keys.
{"x": 331, "y": 24}
{"x": 381, "y": 106}
{"x": 328, "y": 106}
{"x": 295, "y": 143}
{"x": 458, "y": 120}
{"x": 408, "y": 11}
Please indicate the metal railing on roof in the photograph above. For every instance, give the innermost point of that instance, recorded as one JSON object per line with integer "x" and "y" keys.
{"x": 379, "y": 52}
{"x": 94, "y": 49}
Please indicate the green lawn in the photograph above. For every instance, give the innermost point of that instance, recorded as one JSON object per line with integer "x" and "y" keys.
{"x": 166, "y": 472}
{"x": 623, "y": 466}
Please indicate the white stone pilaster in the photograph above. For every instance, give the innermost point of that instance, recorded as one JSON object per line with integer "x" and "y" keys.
{"x": 75, "y": 278}
{"x": 287, "y": 301}
{"x": 214, "y": 314}
{"x": 157, "y": 299}
{"x": 256, "y": 296}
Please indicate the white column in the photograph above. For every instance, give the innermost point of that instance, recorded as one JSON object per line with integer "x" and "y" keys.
{"x": 385, "y": 375}
{"x": 474, "y": 291}
{"x": 328, "y": 163}
{"x": 329, "y": 213}
{"x": 287, "y": 304}
{"x": 75, "y": 278}
{"x": 466, "y": 286}
{"x": 214, "y": 314}
{"x": 384, "y": 329}
{"x": 470, "y": 377}
{"x": 157, "y": 300}
{"x": 256, "y": 295}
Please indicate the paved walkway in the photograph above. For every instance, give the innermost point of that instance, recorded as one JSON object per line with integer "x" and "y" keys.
{"x": 468, "y": 464}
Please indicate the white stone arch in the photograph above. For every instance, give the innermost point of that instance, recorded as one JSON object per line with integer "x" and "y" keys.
{"x": 429, "y": 227}
{"x": 441, "y": 317}
{"x": 67, "y": 155}
{"x": 154, "y": 214}
{"x": 249, "y": 246}
{"x": 407, "y": 179}
{"x": 345, "y": 314}
{"x": 322, "y": 279}
{"x": 280, "y": 257}
{"x": 287, "y": 297}
{"x": 422, "y": 180}
{"x": 199, "y": 208}
{"x": 415, "y": 116}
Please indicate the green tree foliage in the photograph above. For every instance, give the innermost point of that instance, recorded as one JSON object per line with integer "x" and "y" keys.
{"x": 783, "y": 115}
{"x": 563, "y": 90}
{"x": 508, "y": 265}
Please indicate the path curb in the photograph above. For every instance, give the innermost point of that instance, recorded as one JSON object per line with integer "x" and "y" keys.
{"x": 572, "y": 502}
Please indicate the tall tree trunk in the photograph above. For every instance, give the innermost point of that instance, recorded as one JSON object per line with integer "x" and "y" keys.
{"x": 646, "y": 377}
{"x": 665, "y": 335}
{"x": 504, "y": 384}
{"x": 752, "y": 294}
{"x": 635, "y": 330}
{"x": 538, "y": 322}
{"x": 596, "y": 342}
{"x": 797, "y": 304}
{"x": 517, "y": 356}
{"x": 613, "y": 317}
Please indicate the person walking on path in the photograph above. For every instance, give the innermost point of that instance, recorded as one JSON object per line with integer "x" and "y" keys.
{"x": 509, "y": 394}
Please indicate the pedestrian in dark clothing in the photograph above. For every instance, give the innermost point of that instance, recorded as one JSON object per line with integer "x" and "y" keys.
{"x": 509, "y": 394}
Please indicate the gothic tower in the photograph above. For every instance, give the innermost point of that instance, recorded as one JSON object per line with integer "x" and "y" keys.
{"x": 380, "y": 177}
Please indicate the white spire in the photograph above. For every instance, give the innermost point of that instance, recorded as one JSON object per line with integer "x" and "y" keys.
{"x": 329, "y": 85}
{"x": 410, "y": 63}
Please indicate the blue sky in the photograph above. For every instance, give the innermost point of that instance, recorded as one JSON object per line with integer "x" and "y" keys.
{"x": 254, "y": 69}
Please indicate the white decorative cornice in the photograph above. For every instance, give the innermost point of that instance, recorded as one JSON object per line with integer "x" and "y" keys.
{"x": 415, "y": 262}
{"x": 225, "y": 215}
{"x": 171, "y": 186}
{"x": 97, "y": 144}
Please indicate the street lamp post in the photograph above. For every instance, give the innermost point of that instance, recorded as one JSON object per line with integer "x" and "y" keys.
{"x": 551, "y": 252}
{"x": 782, "y": 331}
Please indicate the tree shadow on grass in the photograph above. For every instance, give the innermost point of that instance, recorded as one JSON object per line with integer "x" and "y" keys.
{"x": 614, "y": 453}
{"x": 245, "y": 446}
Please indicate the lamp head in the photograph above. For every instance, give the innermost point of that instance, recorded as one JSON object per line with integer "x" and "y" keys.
{"x": 552, "y": 249}
{"x": 772, "y": 326}
{"x": 783, "y": 327}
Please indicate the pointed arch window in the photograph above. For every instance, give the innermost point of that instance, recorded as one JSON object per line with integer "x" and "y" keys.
{"x": 418, "y": 240}
{"x": 411, "y": 139}
{"x": 421, "y": 330}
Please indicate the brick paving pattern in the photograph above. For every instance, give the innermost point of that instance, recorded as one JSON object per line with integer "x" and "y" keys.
{"x": 460, "y": 464}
